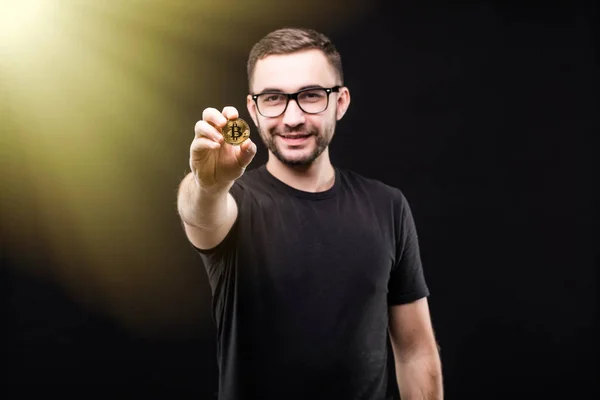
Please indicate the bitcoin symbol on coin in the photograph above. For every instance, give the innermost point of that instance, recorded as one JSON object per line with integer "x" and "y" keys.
{"x": 236, "y": 131}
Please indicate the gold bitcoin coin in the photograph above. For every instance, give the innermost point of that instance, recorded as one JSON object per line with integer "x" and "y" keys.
{"x": 236, "y": 131}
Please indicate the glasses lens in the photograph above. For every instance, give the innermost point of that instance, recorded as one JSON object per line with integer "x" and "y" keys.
{"x": 271, "y": 104}
{"x": 313, "y": 101}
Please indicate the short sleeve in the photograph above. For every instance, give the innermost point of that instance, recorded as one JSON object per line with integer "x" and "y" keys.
{"x": 407, "y": 280}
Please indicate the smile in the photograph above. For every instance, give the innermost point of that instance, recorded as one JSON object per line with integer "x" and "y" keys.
{"x": 295, "y": 139}
{"x": 295, "y": 136}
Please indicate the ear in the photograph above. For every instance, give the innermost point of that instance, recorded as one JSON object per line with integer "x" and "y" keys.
{"x": 343, "y": 102}
{"x": 251, "y": 106}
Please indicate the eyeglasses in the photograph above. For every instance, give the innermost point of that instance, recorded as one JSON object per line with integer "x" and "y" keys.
{"x": 311, "y": 101}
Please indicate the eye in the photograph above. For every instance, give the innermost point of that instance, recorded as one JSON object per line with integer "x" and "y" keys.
{"x": 312, "y": 95}
{"x": 272, "y": 97}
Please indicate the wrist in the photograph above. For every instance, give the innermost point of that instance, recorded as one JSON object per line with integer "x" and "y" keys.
{"x": 213, "y": 190}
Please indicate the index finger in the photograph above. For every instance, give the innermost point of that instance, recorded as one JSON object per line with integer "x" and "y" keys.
{"x": 214, "y": 117}
{"x": 230, "y": 112}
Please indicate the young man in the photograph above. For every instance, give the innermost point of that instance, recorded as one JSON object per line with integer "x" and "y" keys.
{"x": 311, "y": 266}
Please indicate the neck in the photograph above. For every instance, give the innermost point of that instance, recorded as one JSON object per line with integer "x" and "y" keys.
{"x": 318, "y": 176}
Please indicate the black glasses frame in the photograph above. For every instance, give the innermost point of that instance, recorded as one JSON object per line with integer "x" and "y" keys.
{"x": 294, "y": 96}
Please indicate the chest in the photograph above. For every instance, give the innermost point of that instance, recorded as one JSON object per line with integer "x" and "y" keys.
{"x": 335, "y": 246}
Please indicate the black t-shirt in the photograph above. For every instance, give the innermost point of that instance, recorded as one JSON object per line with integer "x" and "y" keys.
{"x": 302, "y": 284}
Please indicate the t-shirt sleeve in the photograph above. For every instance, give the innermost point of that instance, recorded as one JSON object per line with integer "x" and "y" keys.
{"x": 407, "y": 281}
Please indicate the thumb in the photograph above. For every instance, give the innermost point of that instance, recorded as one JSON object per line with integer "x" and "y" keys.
{"x": 246, "y": 153}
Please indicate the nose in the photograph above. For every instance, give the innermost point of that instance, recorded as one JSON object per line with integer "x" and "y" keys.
{"x": 293, "y": 115}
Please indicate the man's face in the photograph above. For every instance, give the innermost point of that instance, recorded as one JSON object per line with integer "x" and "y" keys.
{"x": 295, "y": 137}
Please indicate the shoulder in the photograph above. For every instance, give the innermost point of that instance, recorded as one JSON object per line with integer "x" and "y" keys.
{"x": 256, "y": 188}
{"x": 370, "y": 186}
{"x": 387, "y": 199}
{"x": 251, "y": 177}
{"x": 252, "y": 181}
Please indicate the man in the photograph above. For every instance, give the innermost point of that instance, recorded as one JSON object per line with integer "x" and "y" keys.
{"x": 311, "y": 266}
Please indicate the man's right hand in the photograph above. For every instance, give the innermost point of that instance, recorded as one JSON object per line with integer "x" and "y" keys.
{"x": 216, "y": 164}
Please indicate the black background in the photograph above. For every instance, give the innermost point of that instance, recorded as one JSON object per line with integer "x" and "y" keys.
{"x": 482, "y": 114}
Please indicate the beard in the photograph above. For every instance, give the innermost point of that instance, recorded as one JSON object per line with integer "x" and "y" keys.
{"x": 322, "y": 140}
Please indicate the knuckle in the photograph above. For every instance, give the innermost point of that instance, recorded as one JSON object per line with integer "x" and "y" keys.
{"x": 199, "y": 126}
{"x": 199, "y": 144}
{"x": 203, "y": 129}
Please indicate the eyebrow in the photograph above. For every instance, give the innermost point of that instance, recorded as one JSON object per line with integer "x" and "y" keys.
{"x": 277, "y": 90}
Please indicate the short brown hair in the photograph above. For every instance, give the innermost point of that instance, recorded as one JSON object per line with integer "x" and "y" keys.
{"x": 290, "y": 40}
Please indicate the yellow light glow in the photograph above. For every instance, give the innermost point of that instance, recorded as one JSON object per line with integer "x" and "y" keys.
{"x": 98, "y": 101}
{"x": 19, "y": 18}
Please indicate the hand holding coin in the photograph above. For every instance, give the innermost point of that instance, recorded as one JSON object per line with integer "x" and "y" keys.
{"x": 221, "y": 150}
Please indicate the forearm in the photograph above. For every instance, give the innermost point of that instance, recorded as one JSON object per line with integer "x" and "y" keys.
{"x": 202, "y": 208}
{"x": 420, "y": 377}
